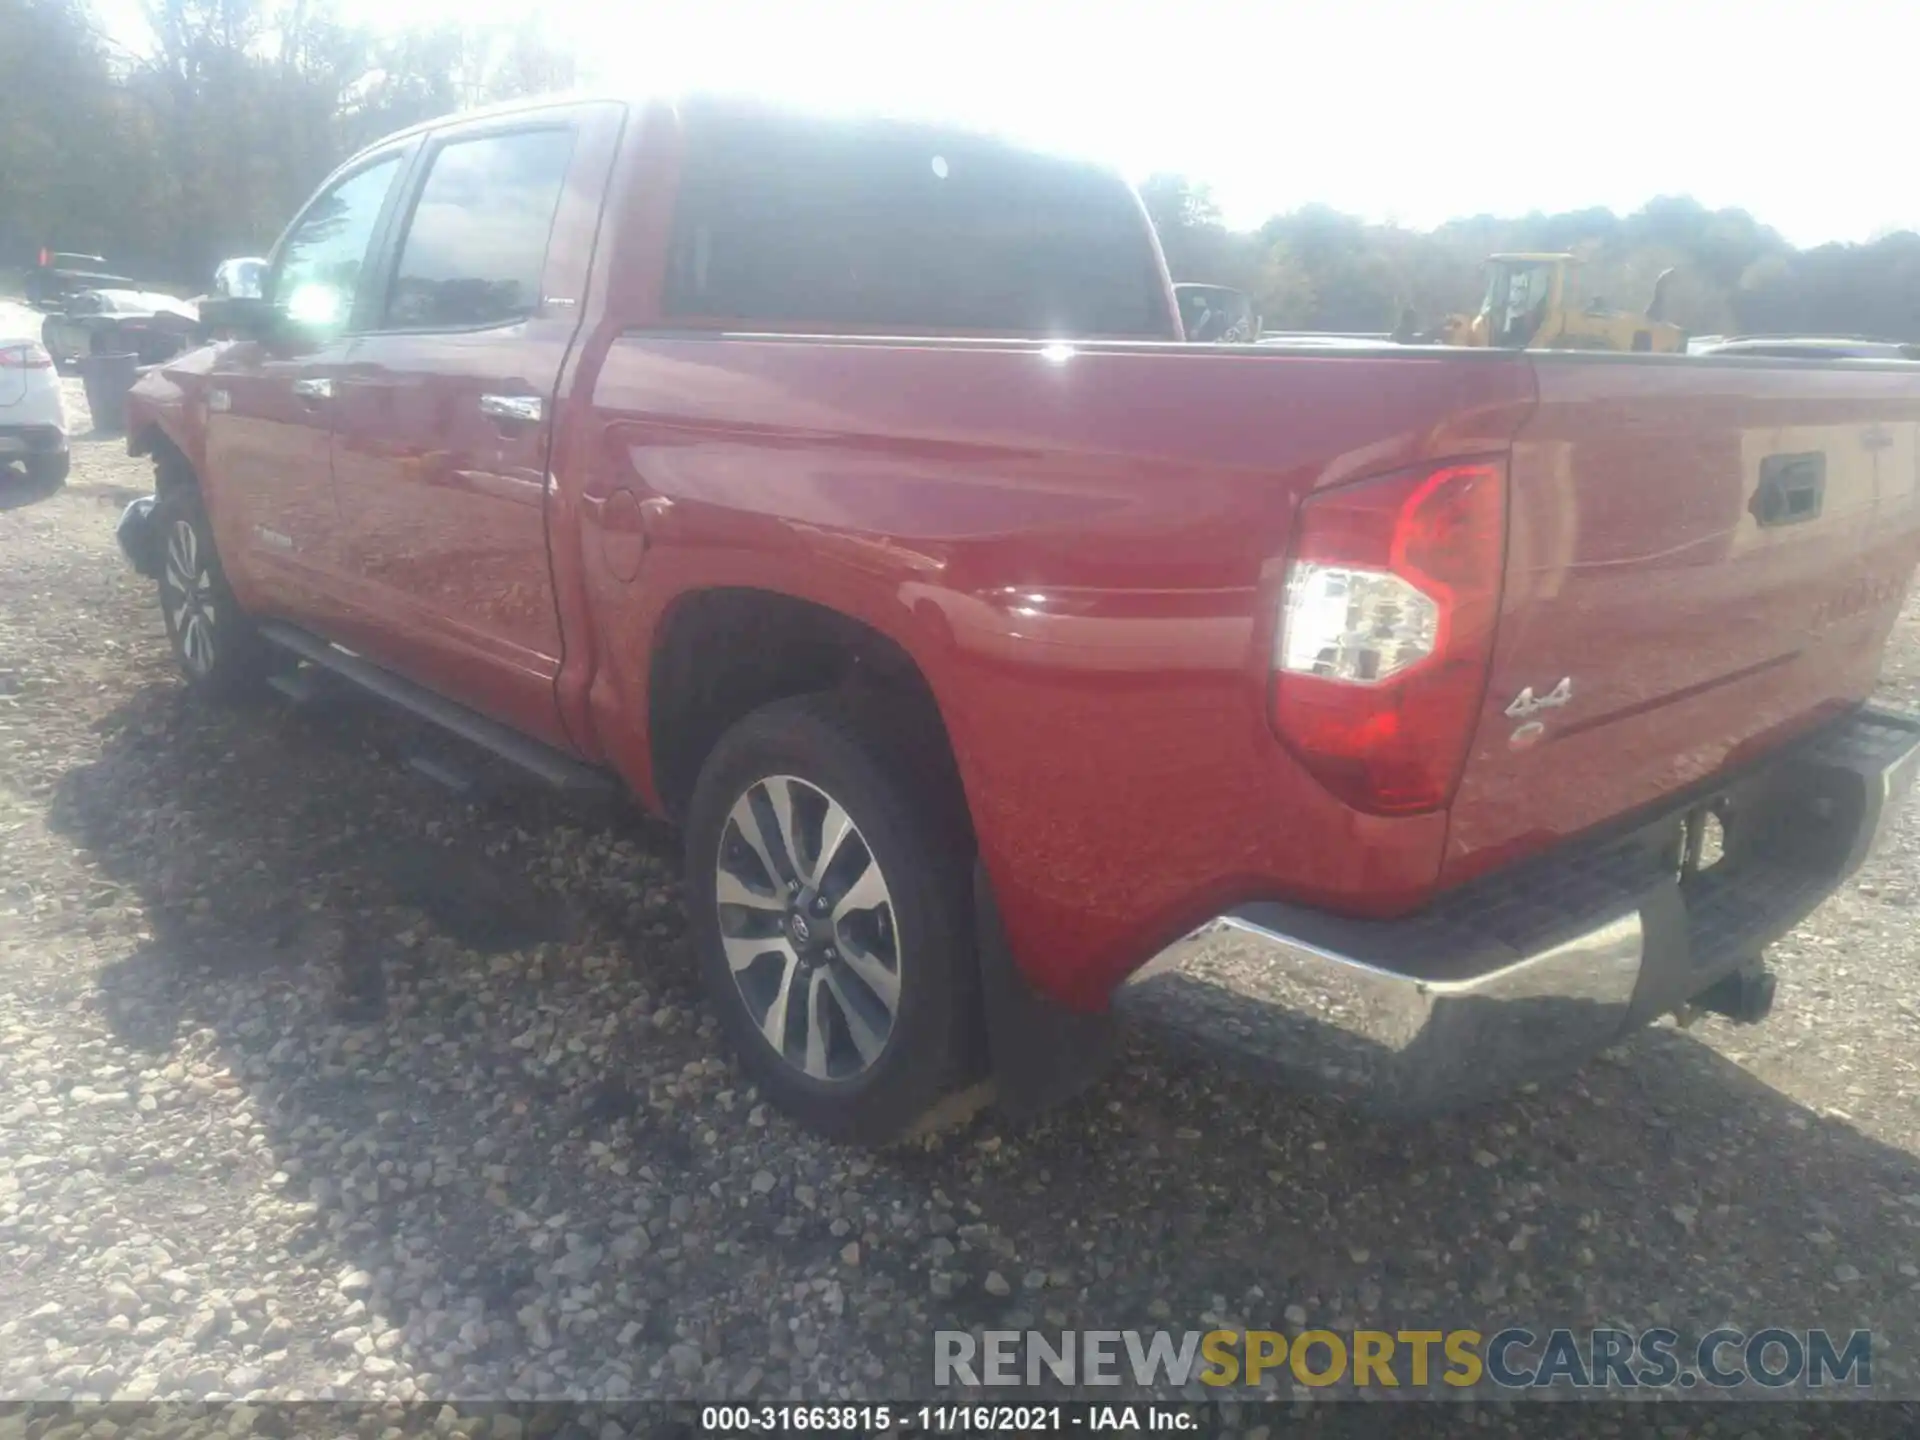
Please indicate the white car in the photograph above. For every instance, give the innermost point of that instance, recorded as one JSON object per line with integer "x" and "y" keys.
{"x": 33, "y": 421}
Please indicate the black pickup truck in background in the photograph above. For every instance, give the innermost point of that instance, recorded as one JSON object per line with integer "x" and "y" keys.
{"x": 145, "y": 323}
{"x": 60, "y": 274}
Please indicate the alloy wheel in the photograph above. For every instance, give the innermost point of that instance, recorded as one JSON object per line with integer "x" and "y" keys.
{"x": 807, "y": 923}
{"x": 187, "y": 595}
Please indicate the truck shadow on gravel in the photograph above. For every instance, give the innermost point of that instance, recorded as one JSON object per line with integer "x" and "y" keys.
{"x": 450, "y": 1056}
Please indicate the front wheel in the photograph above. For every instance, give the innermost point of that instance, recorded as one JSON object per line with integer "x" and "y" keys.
{"x": 215, "y": 643}
{"x": 829, "y": 879}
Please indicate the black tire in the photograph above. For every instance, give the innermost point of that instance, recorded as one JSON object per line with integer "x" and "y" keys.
{"x": 213, "y": 639}
{"x": 908, "y": 819}
{"x": 49, "y": 470}
{"x": 62, "y": 363}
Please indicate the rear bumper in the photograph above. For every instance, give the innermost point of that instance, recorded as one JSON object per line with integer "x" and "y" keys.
{"x": 1524, "y": 974}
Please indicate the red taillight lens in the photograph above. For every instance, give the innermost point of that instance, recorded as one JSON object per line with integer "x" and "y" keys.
{"x": 1386, "y": 632}
{"x": 25, "y": 357}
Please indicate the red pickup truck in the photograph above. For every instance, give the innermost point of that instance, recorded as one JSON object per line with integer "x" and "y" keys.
{"x": 1422, "y": 719}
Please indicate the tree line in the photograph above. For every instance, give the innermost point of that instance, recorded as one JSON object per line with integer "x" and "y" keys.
{"x": 1317, "y": 269}
{"x": 201, "y": 146}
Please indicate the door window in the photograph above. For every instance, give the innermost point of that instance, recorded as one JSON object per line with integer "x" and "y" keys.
{"x": 476, "y": 245}
{"x": 319, "y": 267}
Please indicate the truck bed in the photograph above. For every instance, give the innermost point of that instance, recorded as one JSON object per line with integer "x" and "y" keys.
{"x": 1089, "y": 542}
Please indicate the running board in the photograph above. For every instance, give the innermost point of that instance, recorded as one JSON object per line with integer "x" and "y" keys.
{"x": 555, "y": 767}
{"x": 299, "y": 685}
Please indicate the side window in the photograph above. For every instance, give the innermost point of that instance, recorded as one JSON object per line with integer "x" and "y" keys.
{"x": 476, "y": 245}
{"x": 319, "y": 267}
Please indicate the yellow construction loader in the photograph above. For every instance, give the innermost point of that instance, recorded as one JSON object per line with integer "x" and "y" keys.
{"x": 1529, "y": 305}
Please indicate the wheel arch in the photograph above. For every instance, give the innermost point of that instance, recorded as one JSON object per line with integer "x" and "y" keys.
{"x": 719, "y": 653}
{"x": 172, "y": 469}
{"x": 706, "y": 672}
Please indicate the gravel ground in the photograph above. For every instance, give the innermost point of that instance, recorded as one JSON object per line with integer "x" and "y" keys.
{"x": 323, "y": 1081}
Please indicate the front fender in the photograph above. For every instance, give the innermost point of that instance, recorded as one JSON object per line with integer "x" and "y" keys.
{"x": 169, "y": 402}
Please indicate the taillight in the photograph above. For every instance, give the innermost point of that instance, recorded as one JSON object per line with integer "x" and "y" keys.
{"x": 25, "y": 357}
{"x": 1386, "y": 632}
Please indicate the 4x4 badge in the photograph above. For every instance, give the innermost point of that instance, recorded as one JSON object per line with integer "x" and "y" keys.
{"x": 1525, "y": 703}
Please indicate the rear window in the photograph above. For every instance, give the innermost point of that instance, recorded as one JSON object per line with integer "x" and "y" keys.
{"x": 808, "y": 223}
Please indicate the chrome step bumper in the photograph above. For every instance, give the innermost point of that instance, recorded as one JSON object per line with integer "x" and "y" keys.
{"x": 1523, "y": 975}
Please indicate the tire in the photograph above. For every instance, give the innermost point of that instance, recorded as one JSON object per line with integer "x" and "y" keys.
{"x": 50, "y": 470}
{"x": 62, "y": 363}
{"x": 214, "y": 641}
{"x": 915, "y": 940}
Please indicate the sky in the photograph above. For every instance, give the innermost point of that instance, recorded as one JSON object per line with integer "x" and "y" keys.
{"x": 1796, "y": 110}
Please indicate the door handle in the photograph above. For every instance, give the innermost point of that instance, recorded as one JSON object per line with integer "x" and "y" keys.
{"x": 321, "y": 389}
{"x": 526, "y": 409}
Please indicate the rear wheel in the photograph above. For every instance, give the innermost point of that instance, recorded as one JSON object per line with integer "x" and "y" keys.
{"x": 215, "y": 643}
{"x": 830, "y": 887}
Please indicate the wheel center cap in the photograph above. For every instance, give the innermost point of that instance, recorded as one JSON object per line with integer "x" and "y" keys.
{"x": 800, "y": 930}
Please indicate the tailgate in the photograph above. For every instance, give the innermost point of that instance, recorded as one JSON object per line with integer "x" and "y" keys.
{"x": 1704, "y": 559}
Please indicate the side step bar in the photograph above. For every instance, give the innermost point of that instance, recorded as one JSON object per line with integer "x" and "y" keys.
{"x": 555, "y": 767}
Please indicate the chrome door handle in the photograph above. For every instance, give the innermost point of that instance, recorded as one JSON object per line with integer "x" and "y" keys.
{"x": 313, "y": 389}
{"x": 524, "y": 408}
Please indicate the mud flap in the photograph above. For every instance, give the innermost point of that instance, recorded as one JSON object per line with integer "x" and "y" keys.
{"x": 1041, "y": 1052}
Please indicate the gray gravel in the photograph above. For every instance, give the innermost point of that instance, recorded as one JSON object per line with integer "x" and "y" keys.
{"x": 321, "y": 1081}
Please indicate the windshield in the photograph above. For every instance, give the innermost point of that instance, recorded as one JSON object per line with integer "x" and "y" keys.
{"x": 1516, "y": 301}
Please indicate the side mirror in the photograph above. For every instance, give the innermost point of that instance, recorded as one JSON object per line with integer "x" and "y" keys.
{"x": 244, "y": 317}
{"x": 240, "y": 279}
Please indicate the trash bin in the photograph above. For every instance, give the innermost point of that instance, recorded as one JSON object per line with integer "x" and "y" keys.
{"x": 107, "y": 379}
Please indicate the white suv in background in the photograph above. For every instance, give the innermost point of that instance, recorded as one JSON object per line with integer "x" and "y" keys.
{"x": 33, "y": 422}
